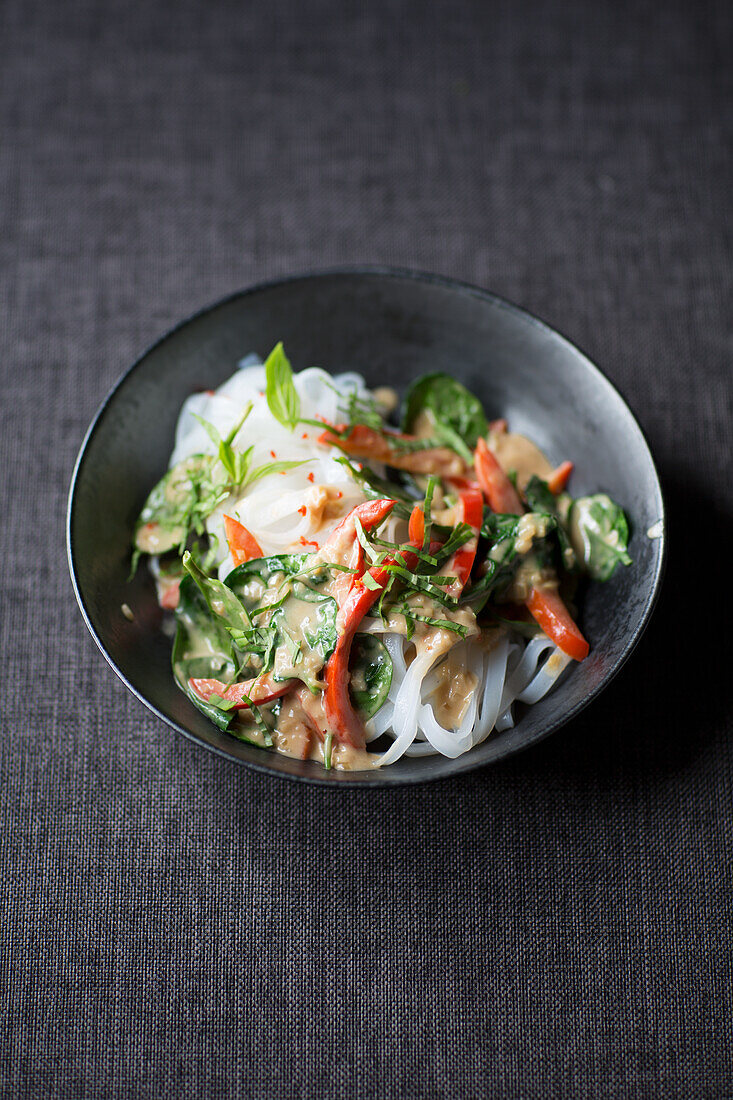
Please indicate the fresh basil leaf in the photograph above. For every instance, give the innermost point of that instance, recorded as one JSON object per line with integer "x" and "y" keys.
{"x": 371, "y": 674}
{"x": 220, "y": 599}
{"x": 282, "y": 396}
{"x": 220, "y": 702}
{"x": 273, "y": 468}
{"x": 452, "y": 407}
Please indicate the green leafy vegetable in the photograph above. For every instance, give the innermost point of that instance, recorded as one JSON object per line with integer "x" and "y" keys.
{"x": 256, "y": 644}
{"x": 237, "y": 464}
{"x": 361, "y": 408}
{"x": 202, "y": 650}
{"x": 174, "y": 505}
{"x": 457, "y": 415}
{"x": 302, "y": 630}
{"x": 599, "y": 532}
{"x": 308, "y": 634}
{"x": 282, "y": 396}
{"x": 541, "y": 499}
{"x": 371, "y": 674}
{"x": 503, "y": 559}
{"x": 412, "y": 615}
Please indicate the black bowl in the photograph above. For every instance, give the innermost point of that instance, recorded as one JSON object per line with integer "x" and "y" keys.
{"x": 391, "y": 326}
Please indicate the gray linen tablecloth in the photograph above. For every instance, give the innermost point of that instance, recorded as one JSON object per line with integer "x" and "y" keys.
{"x": 557, "y": 926}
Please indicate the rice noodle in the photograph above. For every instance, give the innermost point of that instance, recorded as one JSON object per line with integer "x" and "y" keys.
{"x": 509, "y": 670}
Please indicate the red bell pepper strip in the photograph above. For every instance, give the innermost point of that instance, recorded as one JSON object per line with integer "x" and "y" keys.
{"x": 243, "y": 546}
{"x": 547, "y": 609}
{"x": 370, "y": 514}
{"x": 558, "y": 479}
{"x": 497, "y": 488}
{"x": 462, "y": 482}
{"x": 262, "y": 689}
{"x": 341, "y": 717}
{"x": 342, "y": 546}
{"x": 472, "y": 506}
{"x": 460, "y": 566}
{"x": 365, "y": 442}
{"x": 416, "y": 527}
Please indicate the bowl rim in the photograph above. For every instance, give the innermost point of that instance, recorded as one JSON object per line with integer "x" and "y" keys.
{"x": 377, "y": 778}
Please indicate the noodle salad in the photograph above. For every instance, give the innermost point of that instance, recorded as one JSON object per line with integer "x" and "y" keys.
{"x": 349, "y": 592}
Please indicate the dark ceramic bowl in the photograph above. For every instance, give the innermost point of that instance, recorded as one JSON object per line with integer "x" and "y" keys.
{"x": 391, "y": 326}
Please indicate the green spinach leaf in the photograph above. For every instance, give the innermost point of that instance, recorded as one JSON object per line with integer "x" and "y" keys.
{"x": 457, "y": 415}
{"x": 599, "y": 532}
{"x": 371, "y": 674}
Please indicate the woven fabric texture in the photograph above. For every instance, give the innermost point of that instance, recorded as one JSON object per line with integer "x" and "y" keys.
{"x": 556, "y": 926}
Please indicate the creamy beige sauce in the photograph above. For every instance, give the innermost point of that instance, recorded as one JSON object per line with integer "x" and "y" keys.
{"x": 432, "y": 639}
{"x": 516, "y": 452}
{"x": 153, "y": 539}
{"x": 298, "y": 659}
{"x": 299, "y": 733}
{"x": 530, "y": 528}
{"x": 555, "y": 662}
{"x": 386, "y": 398}
{"x": 324, "y": 503}
{"x": 529, "y": 575}
{"x": 450, "y": 699}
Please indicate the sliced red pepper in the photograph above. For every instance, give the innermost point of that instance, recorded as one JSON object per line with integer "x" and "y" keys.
{"x": 263, "y": 689}
{"x": 558, "y": 479}
{"x": 549, "y": 611}
{"x": 243, "y": 546}
{"x": 365, "y": 442}
{"x": 341, "y": 717}
{"x": 342, "y": 545}
{"x": 497, "y": 488}
{"x": 370, "y": 514}
{"x": 416, "y": 527}
{"x": 472, "y": 512}
{"x": 462, "y": 482}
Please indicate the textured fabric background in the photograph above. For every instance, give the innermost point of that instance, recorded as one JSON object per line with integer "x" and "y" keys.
{"x": 557, "y": 926}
